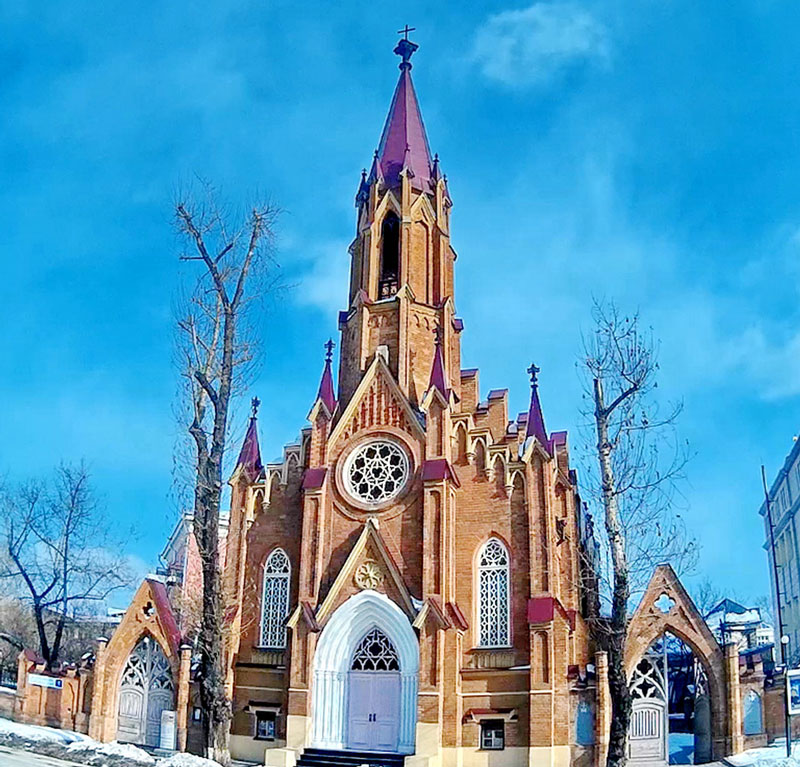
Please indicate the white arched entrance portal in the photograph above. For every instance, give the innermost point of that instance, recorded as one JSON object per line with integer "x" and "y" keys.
{"x": 340, "y": 681}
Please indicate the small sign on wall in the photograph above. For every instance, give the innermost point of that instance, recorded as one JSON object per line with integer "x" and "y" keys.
{"x": 793, "y": 690}
{"x": 40, "y": 680}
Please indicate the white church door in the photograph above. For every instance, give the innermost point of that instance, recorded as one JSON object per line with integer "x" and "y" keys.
{"x": 374, "y": 695}
{"x": 146, "y": 689}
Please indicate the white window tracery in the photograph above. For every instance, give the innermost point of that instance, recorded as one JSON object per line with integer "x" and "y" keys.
{"x": 494, "y": 595}
{"x": 275, "y": 600}
{"x": 376, "y": 471}
{"x": 375, "y": 652}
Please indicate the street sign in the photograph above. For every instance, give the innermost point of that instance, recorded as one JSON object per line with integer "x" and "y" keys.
{"x": 793, "y": 690}
{"x": 40, "y": 680}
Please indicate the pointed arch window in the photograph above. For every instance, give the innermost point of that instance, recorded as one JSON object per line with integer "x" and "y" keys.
{"x": 494, "y": 595}
{"x": 390, "y": 255}
{"x": 275, "y": 600}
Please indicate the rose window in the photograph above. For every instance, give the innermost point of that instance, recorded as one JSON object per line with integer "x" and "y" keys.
{"x": 376, "y": 472}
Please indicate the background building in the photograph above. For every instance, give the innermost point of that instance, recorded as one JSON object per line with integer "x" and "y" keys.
{"x": 785, "y": 500}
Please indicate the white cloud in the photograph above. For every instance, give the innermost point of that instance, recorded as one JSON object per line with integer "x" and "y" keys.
{"x": 324, "y": 278}
{"x": 530, "y": 46}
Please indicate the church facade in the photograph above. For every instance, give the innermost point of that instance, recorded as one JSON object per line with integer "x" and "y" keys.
{"x": 406, "y": 586}
{"x": 408, "y": 579}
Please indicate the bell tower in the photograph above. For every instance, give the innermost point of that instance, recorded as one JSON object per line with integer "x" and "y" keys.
{"x": 401, "y": 269}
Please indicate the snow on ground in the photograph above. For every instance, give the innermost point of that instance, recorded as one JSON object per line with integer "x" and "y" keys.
{"x": 87, "y": 749}
{"x": 75, "y": 747}
{"x": 186, "y": 760}
{"x": 773, "y": 755}
{"x": 35, "y": 733}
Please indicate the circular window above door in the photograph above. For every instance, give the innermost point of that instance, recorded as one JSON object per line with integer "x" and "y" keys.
{"x": 376, "y": 472}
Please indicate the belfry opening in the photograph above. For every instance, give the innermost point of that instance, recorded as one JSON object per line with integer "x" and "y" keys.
{"x": 390, "y": 255}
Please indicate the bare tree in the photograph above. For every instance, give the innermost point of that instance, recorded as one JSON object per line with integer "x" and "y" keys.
{"x": 62, "y": 554}
{"x": 636, "y": 460}
{"x": 707, "y": 595}
{"x": 217, "y": 349}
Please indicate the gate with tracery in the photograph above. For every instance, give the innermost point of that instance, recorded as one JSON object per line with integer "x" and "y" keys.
{"x": 146, "y": 689}
{"x": 648, "y": 733}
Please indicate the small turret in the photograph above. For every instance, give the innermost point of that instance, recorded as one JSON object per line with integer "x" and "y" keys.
{"x": 438, "y": 376}
{"x": 326, "y": 392}
{"x": 249, "y": 460}
{"x": 535, "y": 424}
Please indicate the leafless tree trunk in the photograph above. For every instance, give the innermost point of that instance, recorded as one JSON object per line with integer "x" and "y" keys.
{"x": 636, "y": 461}
{"x": 61, "y": 554}
{"x": 217, "y": 348}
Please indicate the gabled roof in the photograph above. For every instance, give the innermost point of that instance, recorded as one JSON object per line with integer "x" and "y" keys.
{"x": 376, "y": 369}
{"x": 369, "y": 535}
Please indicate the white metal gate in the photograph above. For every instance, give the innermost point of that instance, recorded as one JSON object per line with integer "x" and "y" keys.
{"x": 649, "y": 730}
{"x": 145, "y": 690}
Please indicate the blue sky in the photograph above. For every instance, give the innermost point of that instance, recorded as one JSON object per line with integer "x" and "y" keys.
{"x": 645, "y": 151}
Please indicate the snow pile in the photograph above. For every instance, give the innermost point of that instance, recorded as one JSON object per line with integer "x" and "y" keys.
{"x": 773, "y": 755}
{"x": 28, "y": 732}
{"x": 186, "y": 760}
{"x": 92, "y": 752}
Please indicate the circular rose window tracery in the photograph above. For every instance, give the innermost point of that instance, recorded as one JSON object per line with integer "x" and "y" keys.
{"x": 376, "y": 471}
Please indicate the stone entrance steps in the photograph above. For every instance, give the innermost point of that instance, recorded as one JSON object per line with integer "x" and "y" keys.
{"x": 320, "y": 757}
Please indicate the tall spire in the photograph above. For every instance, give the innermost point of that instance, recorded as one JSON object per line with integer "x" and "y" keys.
{"x": 438, "y": 378}
{"x": 535, "y": 426}
{"x": 404, "y": 143}
{"x": 326, "y": 393}
{"x": 250, "y": 454}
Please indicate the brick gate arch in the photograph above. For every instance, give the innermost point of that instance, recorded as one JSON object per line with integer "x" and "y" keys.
{"x": 666, "y": 607}
{"x": 148, "y": 616}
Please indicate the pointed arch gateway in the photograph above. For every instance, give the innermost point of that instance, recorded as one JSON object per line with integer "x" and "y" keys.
{"x": 146, "y": 689}
{"x": 666, "y": 608}
{"x": 365, "y": 678}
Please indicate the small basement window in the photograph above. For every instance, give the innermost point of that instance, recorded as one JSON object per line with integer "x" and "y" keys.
{"x": 493, "y": 735}
{"x": 265, "y": 725}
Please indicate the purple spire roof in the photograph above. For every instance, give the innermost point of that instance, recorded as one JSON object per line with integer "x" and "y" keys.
{"x": 535, "y": 422}
{"x": 326, "y": 393}
{"x": 404, "y": 143}
{"x": 250, "y": 454}
{"x": 438, "y": 378}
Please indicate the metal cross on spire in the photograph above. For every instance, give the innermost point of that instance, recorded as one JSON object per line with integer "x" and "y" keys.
{"x": 533, "y": 372}
{"x": 438, "y": 333}
{"x": 405, "y": 30}
{"x": 329, "y": 349}
{"x": 405, "y": 48}
{"x": 255, "y": 403}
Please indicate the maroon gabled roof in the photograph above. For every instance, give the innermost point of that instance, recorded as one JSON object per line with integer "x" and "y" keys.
{"x": 541, "y": 609}
{"x": 439, "y": 469}
{"x": 404, "y": 143}
{"x": 456, "y": 616}
{"x": 164, "y": 610}
{"x": 314, "y": 478}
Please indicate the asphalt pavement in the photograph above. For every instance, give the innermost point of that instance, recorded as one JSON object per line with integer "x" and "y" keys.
{"x": 15, "y": 758}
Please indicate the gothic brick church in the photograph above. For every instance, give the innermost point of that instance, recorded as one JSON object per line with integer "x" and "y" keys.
{"x": 406, "y": 584}
{"x": 416, "y": 555}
